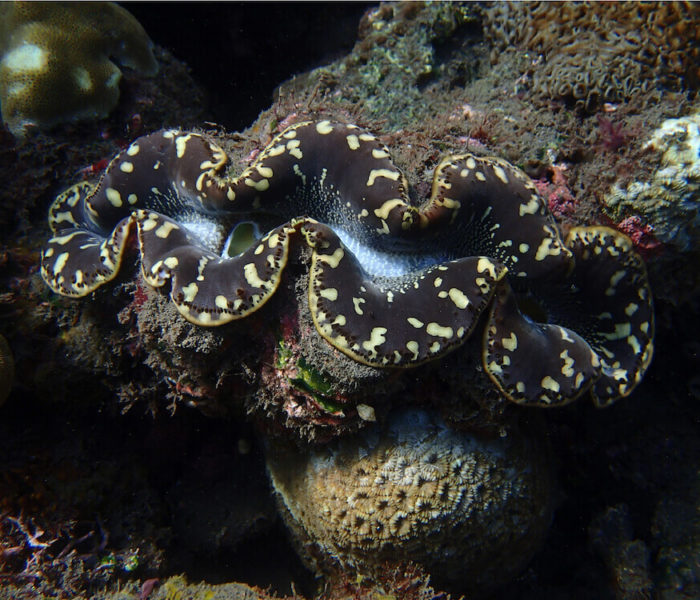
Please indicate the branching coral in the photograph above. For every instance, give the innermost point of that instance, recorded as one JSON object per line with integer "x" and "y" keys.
{"x": 391, "y": 283}
{"x": 602, "y": 51}
{"x": 57, "y": 60}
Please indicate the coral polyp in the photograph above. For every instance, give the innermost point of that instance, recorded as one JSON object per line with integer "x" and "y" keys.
{"x": 470, "y": 509}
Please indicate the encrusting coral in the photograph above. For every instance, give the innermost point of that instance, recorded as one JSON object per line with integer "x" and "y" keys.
{"x": 391, "y": 283}
{"x": 471, "y": 510}
{"x": 57, "y": 60}
{"x": 669, "y": 200}
{"x": 598, "y": 52}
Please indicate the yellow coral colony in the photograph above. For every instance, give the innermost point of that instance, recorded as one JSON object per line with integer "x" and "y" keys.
{"x": 57, "y": 60}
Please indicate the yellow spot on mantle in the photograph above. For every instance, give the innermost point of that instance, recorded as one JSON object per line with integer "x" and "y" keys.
{"x": 114, "y": 197}
{"x": 376, "y": 338}
{"x": 379, "y": 153}
{"x": 61, "y": 261}
{"x": 531, "y": 207}
{"x": 388, "y": 173}
{"x": 357, "y": 304}
{"x": 511, "y": 342}
{"x": 383, "y": 211}
{"x": 190, "y": 291}
{"x": 324, "y": 127}
{"x": 439, "y": 330}
{"x": 484, "y": 264}
{"x": 251, "y": 276}
{"x": 329, "y": 294}
{"x": 500, "y": 173}
{"x": 164, "y": 230}
{"x": 332, "y": 260}
{"x": 550, "y": 384}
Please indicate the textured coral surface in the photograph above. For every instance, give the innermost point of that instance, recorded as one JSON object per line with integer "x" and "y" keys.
{"x": 669, "y": 199}
{"x": 597, "y": 52}
{"x": 60, "y": 61}
{"x": 415, "y": 490}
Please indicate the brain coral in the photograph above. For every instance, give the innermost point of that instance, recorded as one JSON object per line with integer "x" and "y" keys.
{"x": 670, "y": 200}
{"x": 471, "y": 510}
{"x": 57, "y": 60}
{"x": 602, "y": 51}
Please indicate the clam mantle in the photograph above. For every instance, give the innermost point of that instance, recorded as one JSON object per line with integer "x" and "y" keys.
{"x": 392, "y": 282}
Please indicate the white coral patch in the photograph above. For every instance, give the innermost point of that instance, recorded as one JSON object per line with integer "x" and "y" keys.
{"x": 27, "y": 57}
{"x": 83, "y": 79}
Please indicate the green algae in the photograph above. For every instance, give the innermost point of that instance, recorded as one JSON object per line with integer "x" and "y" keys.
{"x": 306, "y": 379}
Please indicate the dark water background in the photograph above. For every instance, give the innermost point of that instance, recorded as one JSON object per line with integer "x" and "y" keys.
{"x": 241, "y": 51}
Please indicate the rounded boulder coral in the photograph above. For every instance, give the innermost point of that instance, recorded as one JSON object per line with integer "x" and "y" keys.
{"x": 57, "y": 60}
{"x": 471, "y": 510}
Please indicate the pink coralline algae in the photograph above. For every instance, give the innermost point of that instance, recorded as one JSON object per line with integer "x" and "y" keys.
{"x": 554, "y": 188}
{"x": 641, "y": 234}
{"x": 610, "y": 134}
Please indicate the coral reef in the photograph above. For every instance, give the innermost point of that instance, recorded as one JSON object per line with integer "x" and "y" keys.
{"x": 668, "y": 199}
{"x": 401, "y": 47}
{"x": 597, "y": 52}
{"x": 57, "y": 60}
{"x": 371, "y": 294}
{"x": 7, "y": 369}
{"x": 144, "y": 472}
{"x": 469, "y": 509}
